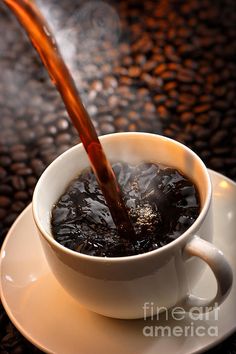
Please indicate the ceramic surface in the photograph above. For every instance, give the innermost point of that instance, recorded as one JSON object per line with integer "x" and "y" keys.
{"x": 56, "y": 323}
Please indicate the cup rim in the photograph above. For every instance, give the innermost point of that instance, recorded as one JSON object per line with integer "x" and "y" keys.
{"x": 49, "y": 238}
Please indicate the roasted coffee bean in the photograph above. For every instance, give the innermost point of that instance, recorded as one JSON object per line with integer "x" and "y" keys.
{"x": 171, "y": 54}
{"x": 18, "y": 206}
{"x": 121, "y": 123}
{"x": 107, "y": 118}
{"x": 182, "y": 108}
{"x": 96, "y": 85}
{"x": 220, "y": 91}
{"x": 18, "y": 350}
{"x": 201, "y": 144}
{"x": 221, "y": 104}
{"x": 216, "y": 163}
{"x": 134, "y": 71}
{"x": 187, "y": 99}
{"x": 17, "y": 166}
{"x": 110, "y": 82}
{"x": 49, "y": 118}
{"x": 191, "y": 64}
{"x": 215, "y": 120}
{"x": 218, "y": 137}
{"x": 170, "y": 86}
{"x": 113, "y": 101}
{"x": 228, "y": 122}
{"x": 3, "y": 213}
{"x": 39, "y": 130}
{"x": 3, "y": 149}
{"x": 107, "y": 128}
{"x": 21, "y": 195}
{"x": 37, "y": 166}
{"x": 202, "y": 108}
{"x": 19, "y": 156}
{"x": 3, "y": 173}
{"x": 21, "y": 124}
{"x": 27, "y": 136}
{"x": 230, "y": 161}
{"x": 171, "y": 103}
{"x": 132, "y": 127}
{"x": 63, "y": 138}
{"x": 18, "y": 182}
{"x": 183, "y": 138}
{"x": 222, "y": 150}
{"x": 151, "y": 81}
{"x": 5, "y": 189}
{"x": 4, "y": 201}
{"x": 10, "y": 218}
{"x": 126, "y": 80}
{"x": 174, "y": 94}
{"x": 174, "y": 66}
{"x": 46, "y": 140}
{"x": 52, "y": 130}
{"x": 62, "y": 148}
{"x": 185, "y": 78}
{"x": 195, "y": 89}
{"x": 31, "y": 181}
{"x": 31, "y": 192}
{"x": 168, "y": 75}
{"x": 149, "y": 107}
{"x": 132, "y": 115}
{"x": 163, "y": 112}
{"x": 187, "y": 117}
{"x": 159, "y": 99}
{"x": 142, "y": 92}
{"x": 160, "y": 69}
{"x": 203, "y": 119}
{"x": 62, "y": 124}
{"x": 149, "y": 65}
{"x": 205, "y": 155}
{"x": 201, "y": 132}
{"x": 5, "y": 161}
{"x": 17, "y": 147}
{"x": 25, "y": 171}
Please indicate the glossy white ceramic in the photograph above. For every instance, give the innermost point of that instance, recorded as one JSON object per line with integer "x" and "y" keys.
{"x": 51, "y": 319}
{"x": 119, "y": 287}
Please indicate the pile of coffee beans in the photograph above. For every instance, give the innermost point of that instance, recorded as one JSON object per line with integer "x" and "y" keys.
{"x": 166, "y": 67}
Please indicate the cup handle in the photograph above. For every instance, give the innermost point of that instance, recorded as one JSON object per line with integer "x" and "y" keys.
{"x": 220, "y": 267}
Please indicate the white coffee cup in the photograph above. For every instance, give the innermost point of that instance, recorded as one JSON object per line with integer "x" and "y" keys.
{"x": 119, "y": 287}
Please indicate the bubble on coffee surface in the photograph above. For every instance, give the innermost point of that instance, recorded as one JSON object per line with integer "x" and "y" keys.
{"x": 162, "y": 204}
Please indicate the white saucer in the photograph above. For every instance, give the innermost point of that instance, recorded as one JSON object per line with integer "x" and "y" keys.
{"x": 54, "y": 322}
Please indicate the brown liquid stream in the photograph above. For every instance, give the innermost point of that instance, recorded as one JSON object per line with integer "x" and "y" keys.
{"x": 44, "y": 42}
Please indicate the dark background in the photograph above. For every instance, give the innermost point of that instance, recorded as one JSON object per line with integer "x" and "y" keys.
{"x": 166, "y": 67}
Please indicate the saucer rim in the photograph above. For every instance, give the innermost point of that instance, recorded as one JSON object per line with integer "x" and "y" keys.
{"x": 46, "y": 350}
{"x": 2, "y": 298}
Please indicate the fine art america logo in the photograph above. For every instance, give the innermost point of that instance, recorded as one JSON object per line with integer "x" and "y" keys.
{"x": 198, "y": 322}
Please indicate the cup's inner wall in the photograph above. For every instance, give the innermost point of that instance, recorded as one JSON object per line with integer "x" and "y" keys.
{"x": 131, "y": 148}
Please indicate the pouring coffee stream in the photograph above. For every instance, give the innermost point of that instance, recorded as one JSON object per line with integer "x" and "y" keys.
{"x": 44, "y": 42}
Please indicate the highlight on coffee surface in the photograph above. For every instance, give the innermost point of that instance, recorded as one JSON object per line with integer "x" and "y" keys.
{"x": 161, "y": 202}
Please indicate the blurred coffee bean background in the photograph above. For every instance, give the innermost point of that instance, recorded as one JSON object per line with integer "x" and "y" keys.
{"x": 166, "y": 67}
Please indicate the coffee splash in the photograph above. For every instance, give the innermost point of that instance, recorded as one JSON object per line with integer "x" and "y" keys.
{"x": 82, "y": 222}
{"x": 44, "y": 42}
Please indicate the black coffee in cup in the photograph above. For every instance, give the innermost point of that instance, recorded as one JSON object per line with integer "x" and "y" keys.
{"x": 162, "y": 204}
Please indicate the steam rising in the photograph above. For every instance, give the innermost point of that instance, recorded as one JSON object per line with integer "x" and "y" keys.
{"x": 88, "y": 35}
{"x": 89, "y": 29}
{"x": 92, "y": 28}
